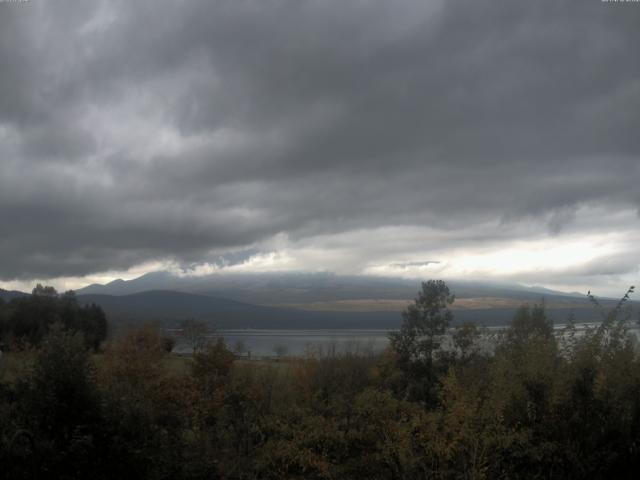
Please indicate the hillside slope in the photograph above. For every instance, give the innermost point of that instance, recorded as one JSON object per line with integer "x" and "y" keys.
{"x": 171, "y": 307}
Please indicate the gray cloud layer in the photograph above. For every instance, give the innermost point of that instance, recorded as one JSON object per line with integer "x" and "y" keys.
{"x": 133, "y": 131}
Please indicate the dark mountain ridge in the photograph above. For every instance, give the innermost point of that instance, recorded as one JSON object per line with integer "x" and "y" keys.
{"x": 8, "y": 295}
{"x": 170, "y": 307}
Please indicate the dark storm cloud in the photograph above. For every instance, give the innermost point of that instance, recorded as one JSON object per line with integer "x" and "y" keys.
{"x": 133, "y": 131}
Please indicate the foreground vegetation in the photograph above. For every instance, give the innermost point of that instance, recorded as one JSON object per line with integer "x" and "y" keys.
{"x": 540, "y": 405}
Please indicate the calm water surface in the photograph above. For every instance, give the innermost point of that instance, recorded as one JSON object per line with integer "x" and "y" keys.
{"x": 264, "y": 343}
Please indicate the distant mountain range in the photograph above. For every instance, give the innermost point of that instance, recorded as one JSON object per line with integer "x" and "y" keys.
{"x": 310, "y": 300}
{"x": 296, "y": 288}
{"x": 315, "y": 300}
{"x": 8, "y": 295}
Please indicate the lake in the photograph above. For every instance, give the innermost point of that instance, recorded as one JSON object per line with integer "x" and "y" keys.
{"x": 267, "y": 343}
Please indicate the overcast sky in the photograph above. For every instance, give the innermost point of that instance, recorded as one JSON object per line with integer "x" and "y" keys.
{"x": 475, "y": 139}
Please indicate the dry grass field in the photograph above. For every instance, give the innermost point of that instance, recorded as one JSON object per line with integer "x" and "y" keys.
{"x": 392, "y": 305}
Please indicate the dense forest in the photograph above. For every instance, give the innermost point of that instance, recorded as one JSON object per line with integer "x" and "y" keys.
{"x": 25, "y": 320}
{"x": 436, "y": 404}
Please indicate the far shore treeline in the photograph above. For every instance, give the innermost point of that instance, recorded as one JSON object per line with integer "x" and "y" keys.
{"x": 78, "y": 404}
{"x": 26, "y": 320}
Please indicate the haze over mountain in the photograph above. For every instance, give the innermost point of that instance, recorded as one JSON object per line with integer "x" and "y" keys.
{"x": 300, "y": 287}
